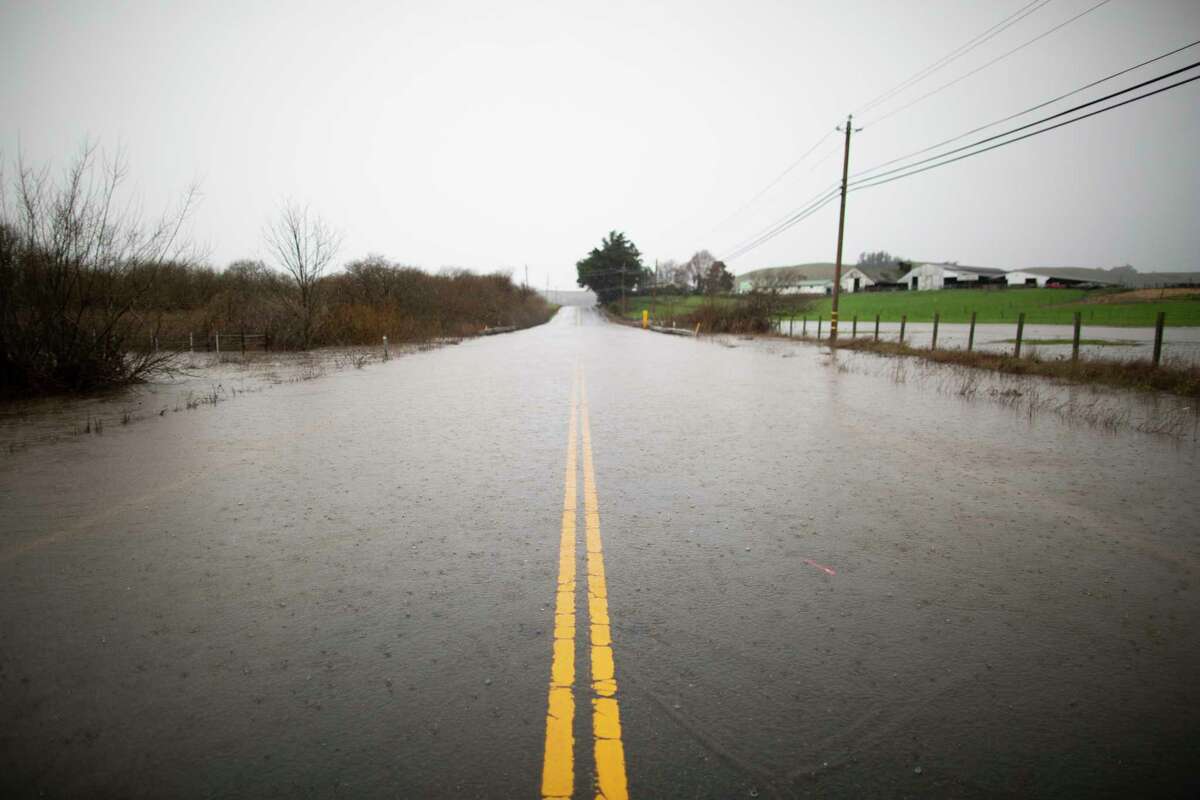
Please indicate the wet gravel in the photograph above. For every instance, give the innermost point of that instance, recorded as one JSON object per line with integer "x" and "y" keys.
{"x": 345, "y": 585}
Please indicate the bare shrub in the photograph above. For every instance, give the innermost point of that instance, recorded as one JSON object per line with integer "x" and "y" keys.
{"x": 77, "y": 274}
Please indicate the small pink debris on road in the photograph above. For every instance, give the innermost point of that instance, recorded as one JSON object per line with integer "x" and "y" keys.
{"x": 822, "y": 567}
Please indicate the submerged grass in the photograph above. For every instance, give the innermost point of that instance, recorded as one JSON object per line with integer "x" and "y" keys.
{"x": 1028, "y": 397}
{"x": 1177, "y": 378}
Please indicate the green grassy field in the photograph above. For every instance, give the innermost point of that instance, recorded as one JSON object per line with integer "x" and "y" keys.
{"x": 667, "y": 307}
{"x": 1041, "y": 306}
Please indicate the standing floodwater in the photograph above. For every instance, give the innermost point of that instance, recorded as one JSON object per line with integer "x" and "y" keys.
{"x": 824, "y": 578}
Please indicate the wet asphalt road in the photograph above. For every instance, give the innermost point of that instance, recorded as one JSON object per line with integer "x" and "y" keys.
{"x": 346, "y": 586}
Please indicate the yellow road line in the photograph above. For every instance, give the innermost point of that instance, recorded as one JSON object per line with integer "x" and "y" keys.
{"x": 606, "y": 719}
{"x": 558, "y": 767}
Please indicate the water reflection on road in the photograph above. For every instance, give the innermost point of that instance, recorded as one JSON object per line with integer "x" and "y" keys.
{"x": 825, "y": 578}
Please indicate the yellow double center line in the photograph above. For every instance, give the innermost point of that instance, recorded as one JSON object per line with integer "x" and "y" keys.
{"x": 558, "y": 768}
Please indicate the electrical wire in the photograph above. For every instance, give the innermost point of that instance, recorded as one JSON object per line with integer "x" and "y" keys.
{"x": 996, "y": 60}
{"x": 955, "y": 54}
{"x": 1028, "y": 125}
{"x": 797, "y": 218}
{"x": 871, "y": 183}
{"x": 1029, "y": 110}
{"x": 784, "y": 218}
{"x": 778, "y": 178}
{"x": 821, "y": 200}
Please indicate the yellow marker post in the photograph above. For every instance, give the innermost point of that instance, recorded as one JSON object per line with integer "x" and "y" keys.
{"x": 645, "y": 319}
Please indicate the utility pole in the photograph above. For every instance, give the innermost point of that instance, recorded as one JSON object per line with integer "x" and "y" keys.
{"x": 837, "y": 270}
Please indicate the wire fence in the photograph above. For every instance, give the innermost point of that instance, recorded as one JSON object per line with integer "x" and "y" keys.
{"x": 210, "y": 342}
{"x": 823, "y": 331}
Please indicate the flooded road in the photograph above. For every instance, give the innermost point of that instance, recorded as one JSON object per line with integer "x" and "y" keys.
{"x": 817, "y": 581}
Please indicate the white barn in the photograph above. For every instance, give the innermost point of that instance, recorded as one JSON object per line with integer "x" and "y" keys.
{"x": 1062, "y": 276}
{"x": 930, "y": 276}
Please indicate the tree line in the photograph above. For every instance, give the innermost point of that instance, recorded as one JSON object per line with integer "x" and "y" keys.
{"x": 86, "y": 286}
{"x": 615, "y": 268}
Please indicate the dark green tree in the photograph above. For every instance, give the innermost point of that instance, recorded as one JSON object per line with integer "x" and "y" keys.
{"x": 718, "y": 279}
{"x": 615, "y": 263}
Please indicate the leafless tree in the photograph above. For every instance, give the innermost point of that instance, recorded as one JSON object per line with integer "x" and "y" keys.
{"x": 697, "y": 268}
{"x": 304, "y": 246}
{"x": 79, "y": 268}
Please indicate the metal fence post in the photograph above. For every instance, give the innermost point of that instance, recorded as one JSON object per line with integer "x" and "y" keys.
{"x": 877, "y": 327}
{"x": 936, "y": 319}
{"x": 218, "y": 339}
{"x": 854, "y": 327}
{"x": 385, "y": 349}
{"x": 971, "y": 335}
{"x": 191, "y": 342}
{"x": 903, "y": 323}
{"x": 791, "y": 325}
{"x": 819, "y": 321}
{"x": 1020, "y": 334}
{"x": 804, "y": 326}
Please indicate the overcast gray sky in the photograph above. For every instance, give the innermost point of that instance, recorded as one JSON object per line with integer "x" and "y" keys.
{"x": 489, "y": 135}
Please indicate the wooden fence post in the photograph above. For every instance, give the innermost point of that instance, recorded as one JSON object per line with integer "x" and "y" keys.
{"x": 903, "y": 323}
{"x": 819, "y": 321}
{"x": 1075, "y": 340}
{"x": 191, "y": 342}
{"x": 877, "y": 327}
{"x": 791, "y": 324}
{"x": 971, "y": 335}
{"x": 804, "y": 326}
{"x": 385, "y": 349}
{"x": 1020, "y": 334}
{"x": 936, "y": 319}
{"x": 243, "y": 341}
{"x": 854, "y": 327}
{"x": 1158, "y": 336}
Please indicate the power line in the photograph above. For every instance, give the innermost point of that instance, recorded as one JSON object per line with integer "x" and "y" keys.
{"x": 1028, "y": 125}
{"x": 871, "y": 183}
{"x": 996, "y": 60}
{"x": 1026, "y": 111}
{"x": 778, "y": 178}
{"x": 957, "y": 53}
{"x": 784, "y": 225}
{"x": 823, "y": 199}
{"x": 781, "y": 220}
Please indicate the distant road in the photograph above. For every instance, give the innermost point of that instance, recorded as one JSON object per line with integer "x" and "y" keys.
{"x": 585, "y": 298}
{"x": 584, "y": 560}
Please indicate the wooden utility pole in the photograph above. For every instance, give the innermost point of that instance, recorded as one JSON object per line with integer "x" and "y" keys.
{"x": 654, "y": 292}
{"x": 837, "y": 270}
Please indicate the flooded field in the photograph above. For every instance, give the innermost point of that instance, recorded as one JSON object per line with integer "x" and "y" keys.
{"x": 1180, "y": 345}
{"x": 828, "y": 574}
{"x": 194, "y": 380}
